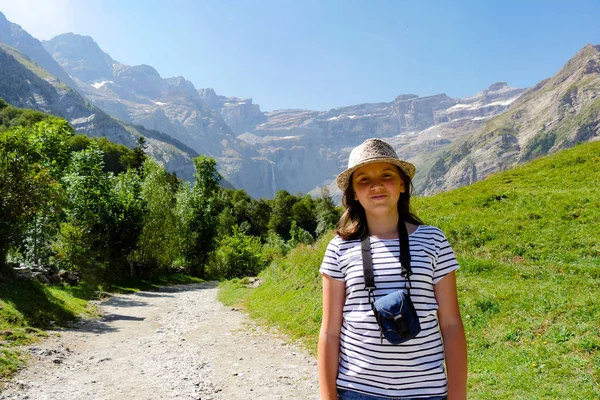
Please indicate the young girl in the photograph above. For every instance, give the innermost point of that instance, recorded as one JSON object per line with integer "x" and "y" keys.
{"x": 354, "y": 362}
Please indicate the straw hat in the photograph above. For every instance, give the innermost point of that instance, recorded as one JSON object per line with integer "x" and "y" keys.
{"x": 369, "y": 152}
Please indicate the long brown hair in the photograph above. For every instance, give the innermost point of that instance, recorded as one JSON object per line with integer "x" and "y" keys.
{"x": 353, "y": 222}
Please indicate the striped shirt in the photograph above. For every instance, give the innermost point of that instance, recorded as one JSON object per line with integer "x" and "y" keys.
{"x": 410, "y": 369}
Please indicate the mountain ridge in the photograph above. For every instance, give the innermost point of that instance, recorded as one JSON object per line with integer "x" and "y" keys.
{"x": 15, "y": 36}
{"x": 555, "y": 114}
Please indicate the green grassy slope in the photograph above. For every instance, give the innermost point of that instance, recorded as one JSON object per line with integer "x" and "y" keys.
{"x": 528, "y": 241}
{"x": 27, "y": 308}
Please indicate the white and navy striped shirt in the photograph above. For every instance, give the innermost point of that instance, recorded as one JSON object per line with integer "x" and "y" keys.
{"x": 413, "y": 368}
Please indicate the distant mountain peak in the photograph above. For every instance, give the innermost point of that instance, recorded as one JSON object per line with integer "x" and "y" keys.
{"x": 403, "y": 97}
{"x": 81, "y": 57}
{"x": 494, "y": 87}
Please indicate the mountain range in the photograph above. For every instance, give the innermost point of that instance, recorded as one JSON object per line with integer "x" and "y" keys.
{"x": 452, "y": 141}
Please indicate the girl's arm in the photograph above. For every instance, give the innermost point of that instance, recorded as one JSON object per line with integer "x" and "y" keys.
{"x": 453, "y": 334}
{"x": 334, "y": 297}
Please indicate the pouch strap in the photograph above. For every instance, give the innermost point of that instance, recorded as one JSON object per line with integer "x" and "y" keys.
{"x": 404, "y": 249}
{"x": 365, "y": 244}
{"x": 367, "y": 260}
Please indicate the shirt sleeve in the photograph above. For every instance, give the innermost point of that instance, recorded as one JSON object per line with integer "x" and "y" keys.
{"x": 445, "y": 261}
{"x": 331, "y": 265}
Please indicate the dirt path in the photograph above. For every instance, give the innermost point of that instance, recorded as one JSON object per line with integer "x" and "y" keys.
{"x": 176, "y": 343}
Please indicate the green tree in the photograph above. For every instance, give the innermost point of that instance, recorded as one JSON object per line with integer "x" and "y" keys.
{"x": 139, "y": 153}
{"x": 103, "y": 220}
{"x": 23, "y": 187}
{"x": 158, "y": 242}
{"x": 199, "y": 212}
{"x": 303, "y": 213}
{"x": 280, "y": 220}
{"x": 298, "y": 235}
{"x": 125, "y": 221}
{"x": 259, "y": 213}
{"x": 83, "y": 240}
{"x": 49, "y": 140}
{"x": 327, "y": 213}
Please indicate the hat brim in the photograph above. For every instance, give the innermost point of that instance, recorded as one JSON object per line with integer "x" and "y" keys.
{"x": 343, "y": 179}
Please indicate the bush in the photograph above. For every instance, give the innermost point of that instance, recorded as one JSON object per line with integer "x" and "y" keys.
{"x": 237, "y": 256}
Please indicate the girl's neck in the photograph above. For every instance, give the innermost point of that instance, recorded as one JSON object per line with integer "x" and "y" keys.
{"x": 383, "y": 228}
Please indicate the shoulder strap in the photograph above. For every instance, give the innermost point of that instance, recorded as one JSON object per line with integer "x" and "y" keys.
{"x": 367, "y": 260}
{"x": 365, "y": 244}
{"x": 404, "y": 249}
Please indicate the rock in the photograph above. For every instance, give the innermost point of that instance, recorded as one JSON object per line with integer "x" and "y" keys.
{"x": 6, "y": 333}
{"x": 40, "y": 277}
{"x": 70, "y": 278}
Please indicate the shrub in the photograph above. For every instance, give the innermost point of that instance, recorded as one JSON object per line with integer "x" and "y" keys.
{"x": 237, "y": 256}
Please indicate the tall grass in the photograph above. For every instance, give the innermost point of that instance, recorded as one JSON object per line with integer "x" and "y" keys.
{"x": 528, "y": 241}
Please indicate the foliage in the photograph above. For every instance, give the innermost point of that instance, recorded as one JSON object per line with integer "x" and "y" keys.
{"x": 94, "y": 206}
{"x": 281, "y": 208}
{"x": 327, "y": 214}
{"x": 158, "y": 244}
{"x": 31, "y": 161}
{"x": 125, "y": 221}
{"x": 12, "y": 116}
{"x": 290, "y": 296}
{"x": 237, "y": 256}
{"x": 116, "y": 157}
{"x": 82, "y": 241}
{"x": 103, "y": 218}
{"x": 199, "y": 212}
{"x": 298, "y": 235}
{"x": 303, "y": 215}
{"x": 49, "y": 141}
{"x": 527, "y": 242}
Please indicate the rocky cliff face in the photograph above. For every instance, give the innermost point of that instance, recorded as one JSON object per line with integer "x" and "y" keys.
{"x": 239, "y": 114}
{"x": 556, "y": 114}
{"x": 420, "y": 128}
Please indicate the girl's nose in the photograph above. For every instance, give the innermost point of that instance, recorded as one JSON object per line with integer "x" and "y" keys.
{"x": 376, "y": 184}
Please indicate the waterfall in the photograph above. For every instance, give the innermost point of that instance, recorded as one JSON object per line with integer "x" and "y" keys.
{"x": 273, "y": 189}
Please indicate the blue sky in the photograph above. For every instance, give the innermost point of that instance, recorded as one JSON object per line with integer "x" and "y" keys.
{"x": 324, "y": 54}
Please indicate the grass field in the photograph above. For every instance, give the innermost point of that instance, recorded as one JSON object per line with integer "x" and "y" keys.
{"x": 528, "y": 241}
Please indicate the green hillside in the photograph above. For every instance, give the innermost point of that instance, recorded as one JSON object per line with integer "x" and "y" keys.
{"x": 529, "y": 246}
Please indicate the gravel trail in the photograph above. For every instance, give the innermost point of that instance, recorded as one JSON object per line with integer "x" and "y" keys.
{"x": 175, "y": 343}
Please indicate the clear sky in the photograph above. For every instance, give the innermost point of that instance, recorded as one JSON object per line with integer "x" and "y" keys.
{"x": 320, "y": 54}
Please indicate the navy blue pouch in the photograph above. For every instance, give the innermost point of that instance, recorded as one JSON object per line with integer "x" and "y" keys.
{"x": 397, "y": 318}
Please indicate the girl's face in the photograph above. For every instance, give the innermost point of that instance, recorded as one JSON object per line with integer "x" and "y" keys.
{"x": 378, "y": 187}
